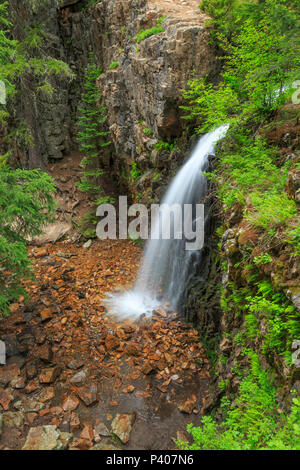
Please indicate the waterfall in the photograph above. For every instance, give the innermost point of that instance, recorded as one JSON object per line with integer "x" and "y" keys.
{"x": 167, "y": 264}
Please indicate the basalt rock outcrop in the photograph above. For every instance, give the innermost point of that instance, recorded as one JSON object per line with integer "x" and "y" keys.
{"x": 140, "y": 85}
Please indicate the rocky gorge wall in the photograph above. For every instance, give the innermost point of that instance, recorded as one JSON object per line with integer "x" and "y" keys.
{"x": 140, "y": 85}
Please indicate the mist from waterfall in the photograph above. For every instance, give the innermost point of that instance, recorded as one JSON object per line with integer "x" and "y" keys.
{"x": 167, "y": 265}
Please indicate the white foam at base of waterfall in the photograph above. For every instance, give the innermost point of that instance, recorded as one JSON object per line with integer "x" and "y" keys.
{"x": 167, "y": 264}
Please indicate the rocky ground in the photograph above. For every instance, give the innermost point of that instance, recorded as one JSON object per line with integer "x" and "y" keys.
{"x": 75, "y": 377}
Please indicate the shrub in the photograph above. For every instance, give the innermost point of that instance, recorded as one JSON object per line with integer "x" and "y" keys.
{"x": 146, "y": 33}
{"x": 251, "y": 422}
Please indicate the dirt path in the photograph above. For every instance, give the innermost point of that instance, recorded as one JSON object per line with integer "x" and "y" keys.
{"x": 181, "y": 9}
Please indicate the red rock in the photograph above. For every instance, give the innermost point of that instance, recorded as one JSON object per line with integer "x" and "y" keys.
{"x": 74, "y": 423}
{"x": 46, "y": 314}
{"x": 147, "y": 368}
{"x": 70, "y": 403}
{"x": 7, "y": 373}
{"x": 160, "y": 312}
{"x": 132, "y": 349}
{"x": 30, "y": 417}
{"x": 122, "y": 426}
{"x": 88, "y": 394}
{"x": 46, "y": 353}
{"x": 111, "y": 342}
{"x": 187, "y": 406}
{"x": 48, "y": 376}
{"x": 18, "y": 383}
{"x": 82, "y": 444}
{"x": 46, "y": 394}
{"x": 40, "y": 253}
{"x": 87, "y": 433}
{"x": 181, "y": 436}
{"x": 5, "y": 399}
{"x": 31, "y": 386}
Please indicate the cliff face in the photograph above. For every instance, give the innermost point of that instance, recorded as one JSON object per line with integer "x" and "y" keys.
{"x": 141, "y": 82}
{"x": 47, "y": 116}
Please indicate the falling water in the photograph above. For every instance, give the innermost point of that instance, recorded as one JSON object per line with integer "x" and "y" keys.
{"x": 167, "y": 265}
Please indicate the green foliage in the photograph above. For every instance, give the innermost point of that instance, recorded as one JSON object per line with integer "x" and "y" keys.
{"x": 271, "y": 210}
{"x": 113, "y": 65}
{"x": 135, "y": 172}
{"x": 265, "y": 258}
{"x": 161, "y": 146}
{"x": 251, "y": 422}
{"x": 24, "y": 65}
{"x": 293, "y": 238}
{"x": 91, "y": 135}
{"x": 146, "y": 33}
{"x": 261, "y": 57}
{"x": 26, "y": 204}
{"x": 148, "y": 131}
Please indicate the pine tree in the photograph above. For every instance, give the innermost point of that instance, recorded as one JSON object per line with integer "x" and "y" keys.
{"x": 26, "y": 204}
{"x": 26, "y": 201}
{"x": 91, "y": 135}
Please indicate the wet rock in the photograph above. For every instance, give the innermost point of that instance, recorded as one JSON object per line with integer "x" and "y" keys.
{"x": 160, "y": 312}
{"x": 79, "y": 378}
{"x": 8, "y": 373}
{"x": 40, "y": 337}
{"x": 5, "y": 398}
{"x": 75, "y": 364}
{"x": 121, "y": 426}
{"x": 46, "y": 394}
{"x": 81, "y": 444}
{"x": 74, "y": 423}
{"x": 105, "y": 446}
{"x": 87, "y": 433}
{"x": 40, "y": 253}
{"x": 31, "y": 370}
{"x": 46, "y": 438}
{"x": 132, "y": 349}
{"x": 187, "y": 406}
{"x": 14, "y": 419}
{"x": 88, "y": 394}
{"x": 101, "y": 430}
{"x": 11, "y": 345}
{"x": 147, "y": 368}
{"x": 32, "y": 386}
{"x": 70, "y": 403}
{"x": 30, "y": 417}
{"x": 28, "y": 405}
{"x": 46, "y": 314}
{"x": 18, "y": 383}
{"x": 17, "y": 360}
{"x": 48, "y": 376}
{"x": 46, "y": 353}
{"x": 111, "y": 342}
